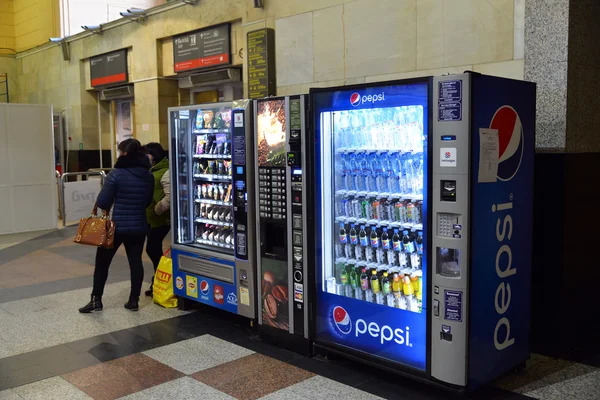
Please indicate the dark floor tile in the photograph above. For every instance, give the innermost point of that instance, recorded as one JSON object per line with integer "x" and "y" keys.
{"x": 112, "y": 345}
{"x": 255, "y": 344}
{"x": 346, "y": 372}
{"x": 161, "y": 334}
{"x": 41, "y": 364}
{"x": 252, "y": 377}
{"x": 7, "y": 295}
{"x": 202, "y": 322}
{"x": 493, "y": 393}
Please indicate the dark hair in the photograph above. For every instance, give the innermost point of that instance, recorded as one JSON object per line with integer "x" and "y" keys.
{"x": 156, "y": 151}
{"x": 131, "y": 146}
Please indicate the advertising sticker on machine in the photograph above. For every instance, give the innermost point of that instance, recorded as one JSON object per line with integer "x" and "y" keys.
{"x": 453, "y": 305}
{"x": 450, "y": 101}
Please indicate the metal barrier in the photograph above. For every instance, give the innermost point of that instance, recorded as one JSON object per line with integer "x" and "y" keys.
{"x": 84, "y": 193}
{"x": 60, "y": 194}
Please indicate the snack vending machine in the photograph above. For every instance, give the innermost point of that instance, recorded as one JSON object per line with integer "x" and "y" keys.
{"x": 423, "y": 225}
{"x": 212, "y": 209}
{"x": 281, "y": 231}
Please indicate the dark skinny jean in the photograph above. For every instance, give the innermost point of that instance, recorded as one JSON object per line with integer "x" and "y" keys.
{"x": 134, "y": 247}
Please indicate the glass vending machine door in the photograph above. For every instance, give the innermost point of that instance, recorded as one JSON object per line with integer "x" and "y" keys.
{"x": 373, "y": 205}
{"x": 203, "y": 209}
{"x": 180, "y": 182}
{"x": 212, "y": 188}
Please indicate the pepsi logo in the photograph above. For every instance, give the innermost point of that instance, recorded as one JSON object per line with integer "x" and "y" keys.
{"x": 204, "y": 287}
{"x": 510, "y": 141}
{"x": 355, "y": 99}
{"x": 341, "y": 320}
{"x": 179, "y": 283}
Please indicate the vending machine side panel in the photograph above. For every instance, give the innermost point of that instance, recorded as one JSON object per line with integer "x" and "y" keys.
{"x": 243, "y": 206}
{"x": 450, "y": 215}
{"x": 503, "y": 143}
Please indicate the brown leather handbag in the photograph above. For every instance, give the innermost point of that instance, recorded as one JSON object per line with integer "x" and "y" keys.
{"x": 96, "y": 230}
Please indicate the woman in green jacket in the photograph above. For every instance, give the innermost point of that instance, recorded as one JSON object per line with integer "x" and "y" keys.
{"x": 158, "y": 214}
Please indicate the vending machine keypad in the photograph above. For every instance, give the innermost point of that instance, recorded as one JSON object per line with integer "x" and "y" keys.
{"x": 272, "y": 193}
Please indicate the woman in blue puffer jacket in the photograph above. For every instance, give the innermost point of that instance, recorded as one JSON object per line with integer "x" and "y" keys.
{"x": 128, "y": 189}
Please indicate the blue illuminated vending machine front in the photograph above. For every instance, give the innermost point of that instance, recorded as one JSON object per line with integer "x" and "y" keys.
{"x": 371, "y": 198}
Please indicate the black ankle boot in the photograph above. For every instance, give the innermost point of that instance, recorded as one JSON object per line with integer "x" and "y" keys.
{"x": 133, "y": 304}
{"x": 149, "y": 292}
{"x": 94, "y": 305}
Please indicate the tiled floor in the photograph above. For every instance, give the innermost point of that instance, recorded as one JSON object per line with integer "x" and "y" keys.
{"x": 49, "y": 351}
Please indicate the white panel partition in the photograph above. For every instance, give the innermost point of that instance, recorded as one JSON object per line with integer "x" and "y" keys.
{"x": 28, "y": 193}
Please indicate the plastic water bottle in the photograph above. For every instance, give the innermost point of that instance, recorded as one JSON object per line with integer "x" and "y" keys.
{"x": 375, "y": 164}
{"x": 364, "y": 173}
{"x": 407, "y": 173}
{"x": 340, "y": 174}
{"x": 396, "y": 173}
{"x": 352, "y": 168}
{"x": 384, "y": 174}
{"x": 417, "y": 161}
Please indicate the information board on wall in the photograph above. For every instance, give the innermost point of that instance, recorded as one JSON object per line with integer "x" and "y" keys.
{"x": 261, "y": 63}
{"x": 205, "y": 48}
{"x": 109, "y": 68}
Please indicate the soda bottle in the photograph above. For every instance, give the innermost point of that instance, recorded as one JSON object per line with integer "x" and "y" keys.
{"x": 409, "y": 212}
{"x": 364, "y": 280}
{"x": 385, "y": 239}
{"x": 375, "y": 282}
{"x": 385, "y": 284}
{"x": 354, "y": 280}
{"x": 375, "y": 239}
{"x": 397, "y": 284}
{"x": 365, "y": 209}
{"x": 344, "y": 275}
{"x": 407, "y": 286}
{"x": 407, "y": 243}
{"x": 399, "y": 211}
{"x": 416, "y": 213}
{"x": 353, "y": 235}
{"x": 396, "y": 241}
{"x": 363, "y": 238}
{"x": 343, "y": 235}
{"x": 375, "y": 210}
{"x": 419, "y": 242}
{"x": 344, "y": 208}
{"x": 385, "y": 174}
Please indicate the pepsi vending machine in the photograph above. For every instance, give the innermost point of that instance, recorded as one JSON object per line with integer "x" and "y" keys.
{"x": 423, "y": 225}
{"x": 212, "y": 209}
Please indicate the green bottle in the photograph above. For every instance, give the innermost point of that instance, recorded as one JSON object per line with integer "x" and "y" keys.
{"x": 354, "y": 279}
{"x": 344, "y": 275}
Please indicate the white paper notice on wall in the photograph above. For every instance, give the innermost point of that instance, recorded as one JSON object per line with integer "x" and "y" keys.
{"x": 146, "y": 127}
{"x": 488, "y": 155}
{"x": 448, "y": 157}
{"x": 239, "y": 120}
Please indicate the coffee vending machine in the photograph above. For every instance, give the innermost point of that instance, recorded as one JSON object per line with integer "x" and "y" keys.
{"x": 281, "y": 176}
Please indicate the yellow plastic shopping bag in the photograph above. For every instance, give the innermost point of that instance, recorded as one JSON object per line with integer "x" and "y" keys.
{"x": 162, "y": 289}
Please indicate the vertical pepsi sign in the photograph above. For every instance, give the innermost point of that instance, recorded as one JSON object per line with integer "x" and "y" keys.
{"x": 502, "y": 146}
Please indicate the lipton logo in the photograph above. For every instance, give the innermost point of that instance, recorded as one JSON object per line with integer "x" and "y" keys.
{"x": 219, "y": 294}
{"x": 163, "y": 276}
{"x": 510, "y": 141}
